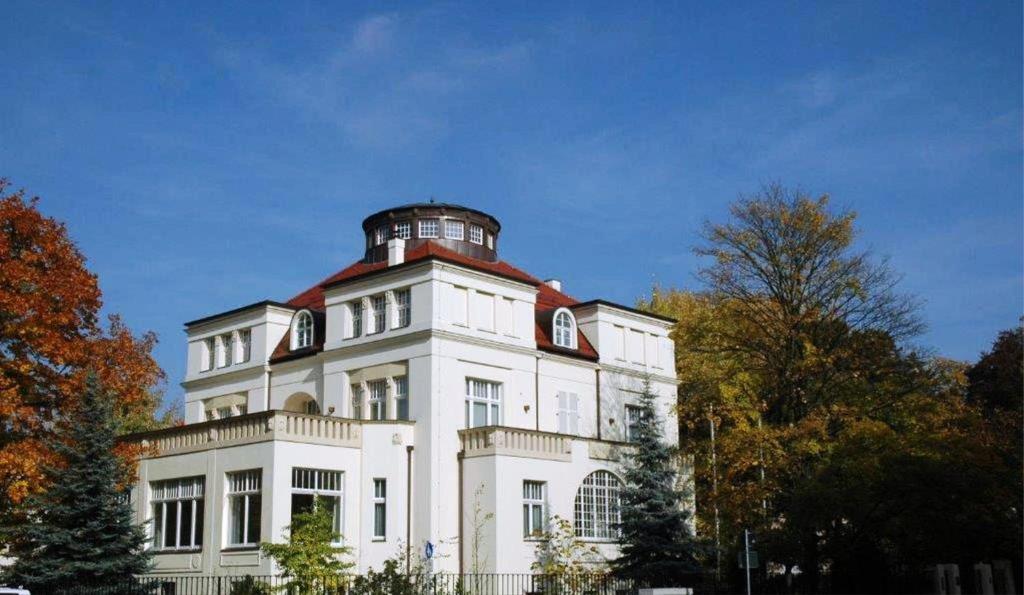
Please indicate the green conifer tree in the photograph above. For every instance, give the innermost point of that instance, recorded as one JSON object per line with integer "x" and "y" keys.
{"x": 80, "y": 531}
{"x": 657, "y": 545}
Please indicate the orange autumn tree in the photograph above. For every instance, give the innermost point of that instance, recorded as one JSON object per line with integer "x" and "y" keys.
{"x": 51, "y": 337}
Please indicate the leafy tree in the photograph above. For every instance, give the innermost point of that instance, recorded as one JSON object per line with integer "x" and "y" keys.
{"x": 80, "y": 531}
{"x": 50, "y": 339}
{"x": 656, "y": 541}
{"x": 309, "y": 559}
{"x": 559, "y": 553}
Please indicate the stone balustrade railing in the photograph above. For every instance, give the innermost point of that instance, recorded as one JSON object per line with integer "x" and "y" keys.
{"x": 516, "y": 442}
{"x": 248, "y": 429}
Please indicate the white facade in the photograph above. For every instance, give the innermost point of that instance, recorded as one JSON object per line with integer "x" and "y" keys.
{"x": 374, "y": 397}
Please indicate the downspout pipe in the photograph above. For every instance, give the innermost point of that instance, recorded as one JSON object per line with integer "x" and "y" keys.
{"x": 460, "y": 457}
{"x": 408, "y": 508}
{"x": 597, "y": 389}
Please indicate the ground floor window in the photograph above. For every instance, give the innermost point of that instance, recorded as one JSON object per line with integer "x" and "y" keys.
{"x": 178, "y": 513}
{"x": 380, "y": 508}
{"x": 533, "y": 508}
{"x": 597, "y": 512}
{"x": 311, "y": 485}
{"x": 244, "y": 507}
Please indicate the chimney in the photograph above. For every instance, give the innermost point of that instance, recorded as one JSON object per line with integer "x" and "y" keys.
{"x": 554, "y": 284}
{"x": 396, "y": 251}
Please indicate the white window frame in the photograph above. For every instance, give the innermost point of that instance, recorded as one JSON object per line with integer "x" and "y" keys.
{"x": 380, "y": 509}
{"x": 402, "y": 397}
{"x": 476, "y": 234}
{"x": 487, "y": 393}
{"x": 568, "y": 413}
{"x": 322, "y": 483}
{"x": 597, "y": 509}
{"x": 209, "y": 354}
{"x": 490, "y": 241}
{"x": 245, "y": 488}
{"x": 451, "y": 226}
{"x": 245, "y": 345}
{"x": 403, "y": 307}
{"x": 378, "y": 398}
{"x": 379, "y": 306}
{"x": 563, "y": 328}
{"x": 357, "y": 318}
{"x": 380, "y": 235}
{"x": 225, "y": 356}
{"x": 429, "y": 228}
{"x": 403, "y": 230}
{"x": 178, "y": 493}
{"x": 534, "y": 502}
{"x": 302, "y": 330}
{"x": 632, "y": 418}
{"x": 357, "y": 401}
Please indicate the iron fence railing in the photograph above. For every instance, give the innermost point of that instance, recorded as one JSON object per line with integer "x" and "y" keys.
{"x": 373, "y": 584}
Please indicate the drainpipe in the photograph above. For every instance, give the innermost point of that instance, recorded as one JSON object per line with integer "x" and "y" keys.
{"x": 460, "y": 456}
{"x": 597, "y": 384}
{"x": 408, "y": 506}
{"x": 266, "y": 390}
{"x": 536, "y": 393}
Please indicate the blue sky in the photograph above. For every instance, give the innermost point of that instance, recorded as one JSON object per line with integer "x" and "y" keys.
{"x": 212, "y": 156}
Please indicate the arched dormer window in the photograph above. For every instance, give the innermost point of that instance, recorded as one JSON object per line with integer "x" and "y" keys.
{"x": 302, "y": 330}
{"x": 564, "y": 329}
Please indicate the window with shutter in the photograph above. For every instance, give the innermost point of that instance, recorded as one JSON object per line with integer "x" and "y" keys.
{"x": 568, "y": 413}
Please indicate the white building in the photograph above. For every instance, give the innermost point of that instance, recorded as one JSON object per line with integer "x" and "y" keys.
{"x": 424, "y": 379}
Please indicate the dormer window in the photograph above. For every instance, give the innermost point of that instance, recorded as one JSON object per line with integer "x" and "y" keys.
{"x": 380, "y": 235}
{"x": 428, "y": 228}
{"x": 565, "y": 329}
{"x": 403, "y": 230}
{"x": 302, "y": 330}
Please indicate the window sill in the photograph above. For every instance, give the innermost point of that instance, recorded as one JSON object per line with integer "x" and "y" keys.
{"x": 379, "y": 539}
{"x": 192, "y": 550}
{"x": 241, "y": 548}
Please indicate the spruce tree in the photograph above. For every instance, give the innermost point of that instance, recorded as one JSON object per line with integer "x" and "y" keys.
{"x": 80, "y": 531}
{"x": 657, "y": 545}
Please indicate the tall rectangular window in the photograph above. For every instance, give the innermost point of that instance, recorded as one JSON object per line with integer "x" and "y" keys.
{"x": 309, "y": 485}
{"x": 225, "y": 350}
{"x": 402, "y": 397}
{"x": 476, "y": 234}
{"x": 634, "y": 415}
{"x": 483, "y": 403}
{"x": 244, "y": 507}
{"x": 178, "y": 513}
{"x": 380, "y": 312}
{"x": 454, "y": 230}
{"x": 209, "y": 354}
{"x": 378, "y": 397}
{"x": 568, "y": 413}
{"x": 533, "y": 508}
{"x": 404, "y": 307}
{"x": 245, "y": 344}
{"x": 428, "y": 228}
{"x": 357, "y": 401}
{"x": 357, "y": 318}
{"x": 380, "y": 508}
{"x": 403, "y": 230}
{"x": 380, "y": 235}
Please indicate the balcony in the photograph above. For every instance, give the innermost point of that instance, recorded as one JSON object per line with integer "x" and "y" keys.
{"x": 250, "y": 429}
{"x": 533, "y": 444}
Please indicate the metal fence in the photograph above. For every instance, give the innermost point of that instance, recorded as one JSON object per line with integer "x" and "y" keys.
{"x": 379, "y": 584}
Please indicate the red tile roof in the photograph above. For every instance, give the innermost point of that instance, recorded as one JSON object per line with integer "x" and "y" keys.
{"x": 548, "y": 299}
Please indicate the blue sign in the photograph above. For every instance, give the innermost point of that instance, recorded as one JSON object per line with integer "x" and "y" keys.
{"x": 428, "y": 550}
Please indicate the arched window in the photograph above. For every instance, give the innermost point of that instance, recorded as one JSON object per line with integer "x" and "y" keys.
{"x": 302, "y": 330}
{"x": 597, "y": 506}
{"x": 565, "y": 329}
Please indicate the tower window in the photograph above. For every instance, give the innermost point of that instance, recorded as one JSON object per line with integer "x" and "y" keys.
{"x": 428, "y": 228}
{"x": 476, "y": 234}
{"x": 380, "y": 235}
{"x": 454, "y": 230}
{"x": 403, "y": 230}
